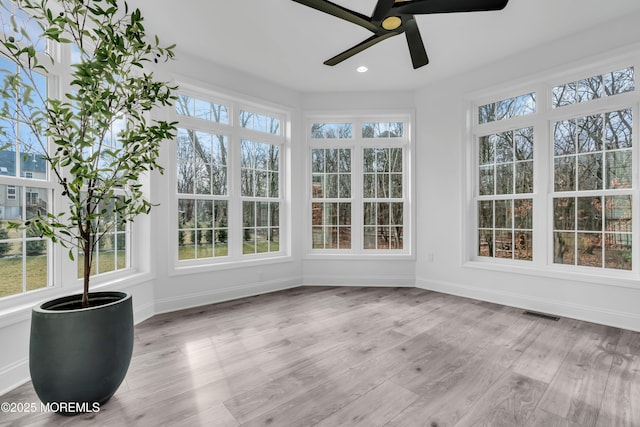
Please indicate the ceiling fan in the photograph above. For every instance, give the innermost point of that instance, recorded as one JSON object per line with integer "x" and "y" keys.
{"x": 393, "y": 17}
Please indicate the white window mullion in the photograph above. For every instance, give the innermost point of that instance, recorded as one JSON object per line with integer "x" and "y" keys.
{"x": 236, "y": 220}
{"x": 357, "y": 200}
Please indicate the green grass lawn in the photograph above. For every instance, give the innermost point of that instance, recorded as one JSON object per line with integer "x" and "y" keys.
{"x": 11, "y": 274}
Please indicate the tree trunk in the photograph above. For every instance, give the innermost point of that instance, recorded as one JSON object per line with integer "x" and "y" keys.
{"x": 86, "y": 269}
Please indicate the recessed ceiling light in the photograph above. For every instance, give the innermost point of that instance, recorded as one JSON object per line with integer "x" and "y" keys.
{"x": 362, "y": 69}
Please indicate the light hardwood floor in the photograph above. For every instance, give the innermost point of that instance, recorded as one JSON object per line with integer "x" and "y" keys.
{"x": 330, "y": 356}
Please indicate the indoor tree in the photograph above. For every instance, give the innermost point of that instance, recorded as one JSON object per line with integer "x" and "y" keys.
{"x": 109, "y": 91}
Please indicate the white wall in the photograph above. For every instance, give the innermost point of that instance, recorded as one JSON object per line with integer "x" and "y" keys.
{"x": 440, "y": 200}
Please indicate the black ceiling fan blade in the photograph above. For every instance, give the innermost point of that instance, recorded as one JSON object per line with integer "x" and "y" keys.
{"x": 382, "y": 9}
{"x": 422, "y": 7}
{"x": 340, "y": 12}
{"x": 418, "y": 53}
{"x": 359, "y": 47}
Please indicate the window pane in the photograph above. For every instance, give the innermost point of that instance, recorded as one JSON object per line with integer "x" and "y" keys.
{"x": 590, "y": 134}
{"x": 590, "y": 249}
{"x": 589, "y": 214}
{"x": 523, "y": 245}
{"x": 619, "y": 169}
{"x": 564, "y": 248}
{"x": 382, "y": 130}
{"x": 504, "y": 244}
{"x": 589, "y": 89}
{"x": 619, "y": 81}
{"x": 617, "y": 212}
{"x": 370, "y": 214}
{"x": 345, "y": 160}
{"x": 344, "y": 210}
{"x": 202, "y": 162}
{"x": 618, "y": 129}
{"x": 504, "y": 147}
{"x": 331, "y": 130}
{"x": 486, "y": 149}
{"x": 523, "y": 213}
{"x": 524, "y": 144}
{"x": 317, "y": 160}
{"x": 11, "y": 265}
{"x": 565, "y": 173}
{"x": 618, "y": 251}
{"x": 564, "y": 213}
{"x": 594, "y": 87}
{"x": 344, "y": 186}
{"x": 201, "y": 109}
{"x": 524, "y": 177}
{"x": 259, "y": 122}
{"x": 36, "y": 265}
{"x": 486, "y": 181}
{"x": 503, "y": 214}
{"x": 507, "y": 108}
{"x": 485, "y": 214}
{"x": 485, "y": 243}
{"x": 258, "y": 176}
{"x": 345, "y": 237}
{"x": 396, "y": 185}
{"x": 590, "y": 172}
{"x": 26, "y": 30}
{"x": 565, "y": 137}
{"x": 504, "y": 179}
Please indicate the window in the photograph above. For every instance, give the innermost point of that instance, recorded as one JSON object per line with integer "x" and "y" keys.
{"x": 25, "y": 189}
{"x": 507, "y": 108}
{"x": 588, "y": 89}
{"x": 112, "y": 252}
{"x": 11, "y": 192}
{"x": 331, "y": 194}
{"x": 505, "y": 188}
{"x": 593, "y": 164}
{"x": 583, "y": 193}
{"x": 24, "y": 257}
{"x": 228, "y": 160}
{"x": 383, "y": 198}
{"x": 358, "y": 172}
{"x": 260, "y": 177}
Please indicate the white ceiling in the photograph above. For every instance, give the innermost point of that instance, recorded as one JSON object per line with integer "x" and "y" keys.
{"x": 286, "y": 42}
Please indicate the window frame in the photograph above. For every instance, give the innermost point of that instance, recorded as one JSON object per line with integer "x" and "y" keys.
{"x": 235, "y": 134}
{"x": 542, "y": 121}
{"x": 357, "y": 143}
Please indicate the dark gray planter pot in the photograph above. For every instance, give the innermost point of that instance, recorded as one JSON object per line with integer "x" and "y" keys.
{"x": 81, "y": 355}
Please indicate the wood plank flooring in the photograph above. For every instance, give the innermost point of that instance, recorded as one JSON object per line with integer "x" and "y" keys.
{"x": 331, "y": 356}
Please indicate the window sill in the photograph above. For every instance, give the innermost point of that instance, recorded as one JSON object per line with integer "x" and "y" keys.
{"x": 193, "y": 268}
{"x": 623, "y": 279}
{"x": 17, "y": 308}
{"x": 395, "y": 256}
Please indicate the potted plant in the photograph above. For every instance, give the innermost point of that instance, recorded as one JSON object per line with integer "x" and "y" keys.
{"x": 81, "y": 345}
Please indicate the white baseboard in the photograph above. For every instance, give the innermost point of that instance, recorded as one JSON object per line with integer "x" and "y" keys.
{"x": 617, "y": 319}
{"x": 182, "y": 302}
{"x": 144, "y": 312}
{"x": 14, "y": 376}
{"x": 372, "y": 281}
